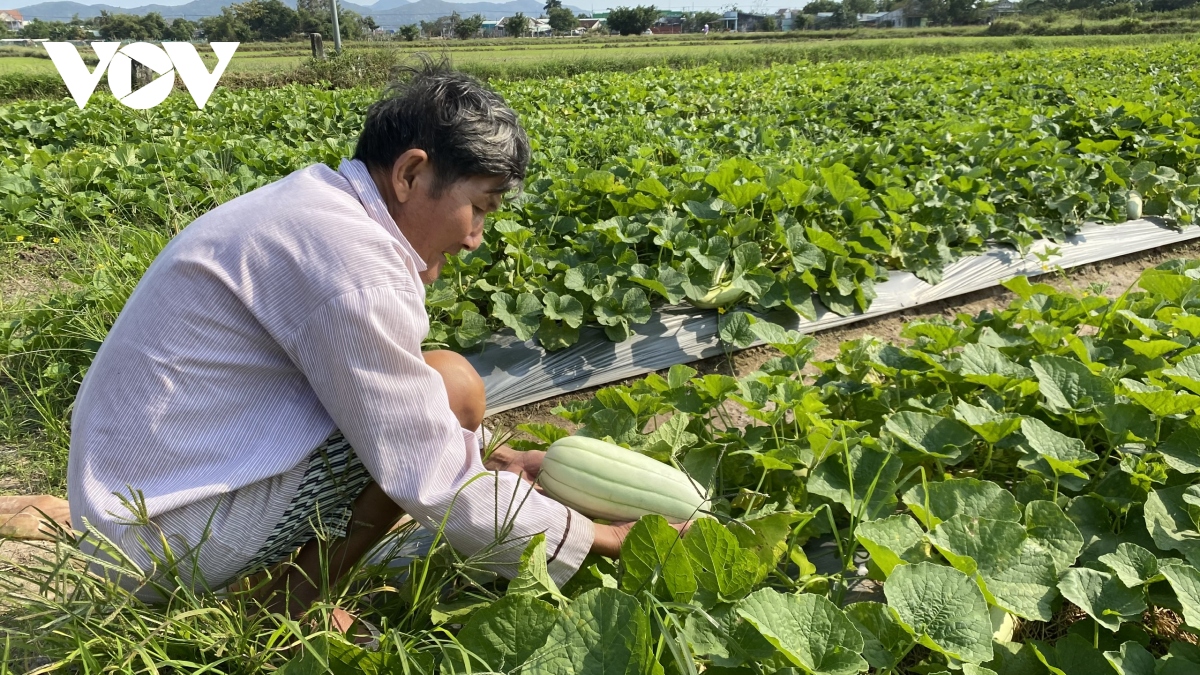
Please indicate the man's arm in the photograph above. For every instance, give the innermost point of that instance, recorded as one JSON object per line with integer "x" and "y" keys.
{"x": 361, "y": 355}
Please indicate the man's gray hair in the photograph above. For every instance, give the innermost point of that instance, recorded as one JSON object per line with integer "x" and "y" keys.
{"x": 466, "y": 128}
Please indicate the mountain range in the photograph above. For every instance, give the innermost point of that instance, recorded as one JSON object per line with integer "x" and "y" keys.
{"x": 387, "y": 13}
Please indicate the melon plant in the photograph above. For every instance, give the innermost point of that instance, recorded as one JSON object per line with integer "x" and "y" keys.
{"x": 1036, "y": 465}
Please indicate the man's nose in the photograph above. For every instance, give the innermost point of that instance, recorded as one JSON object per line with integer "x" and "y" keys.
{"x": 473, "y": 241}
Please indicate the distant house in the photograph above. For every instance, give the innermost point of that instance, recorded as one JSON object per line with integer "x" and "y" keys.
{"x": 787, "y": 19}
{"x": 669, "y": 23}
{"x": 588, "y": 24}
{"x": 911, "y": 15}
{"x": 871, "y": 20}
{"x": 1001, "y": 9}
{"x": 741, "y": 22}
{"x": 492, "y": 28}
{"x": 12, "y": 19}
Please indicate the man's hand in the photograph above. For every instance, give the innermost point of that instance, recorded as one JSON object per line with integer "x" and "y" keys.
{"x": 524, "y": 464}
{"x": 608, "y": 538}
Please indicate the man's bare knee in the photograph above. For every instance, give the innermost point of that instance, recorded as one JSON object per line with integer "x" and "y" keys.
{"x": 464, "y": 387}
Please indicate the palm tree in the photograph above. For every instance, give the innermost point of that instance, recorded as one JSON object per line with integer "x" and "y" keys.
{"x": 552, "y": 4}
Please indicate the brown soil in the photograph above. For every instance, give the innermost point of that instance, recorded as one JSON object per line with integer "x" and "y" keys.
{"x": 31, "y": 271}
{"x": 1116, "y": 275}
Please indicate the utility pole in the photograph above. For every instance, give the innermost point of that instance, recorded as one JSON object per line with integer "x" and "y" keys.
{"x": 337, "y": 30}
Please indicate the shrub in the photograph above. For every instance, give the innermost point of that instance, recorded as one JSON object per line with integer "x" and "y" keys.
{"x": 1004, "y": 27}
{"x": 1131, "y": 25}
{"x": 1117, "y": 11}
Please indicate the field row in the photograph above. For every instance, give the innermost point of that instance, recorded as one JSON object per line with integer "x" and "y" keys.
{"x": 785, "y": 184}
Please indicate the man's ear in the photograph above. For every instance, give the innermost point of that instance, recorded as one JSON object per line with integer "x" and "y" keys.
{"x": 409, "y": 167}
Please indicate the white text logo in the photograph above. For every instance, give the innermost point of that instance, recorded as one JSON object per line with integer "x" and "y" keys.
{"x": 118, "y": 61}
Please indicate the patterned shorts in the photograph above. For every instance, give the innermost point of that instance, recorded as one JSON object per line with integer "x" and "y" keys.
{"x": 322, "y": 507}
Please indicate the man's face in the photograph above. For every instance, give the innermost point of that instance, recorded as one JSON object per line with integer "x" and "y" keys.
{"x": 446, "y": 223}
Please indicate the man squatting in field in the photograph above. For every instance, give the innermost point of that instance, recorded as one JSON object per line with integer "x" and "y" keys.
{"x": 266, "y": 375}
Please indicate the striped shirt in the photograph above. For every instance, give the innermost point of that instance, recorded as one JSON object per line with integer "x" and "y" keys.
{"x": 263, "y": 325}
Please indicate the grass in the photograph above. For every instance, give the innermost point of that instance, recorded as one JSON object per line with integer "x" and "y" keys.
{"x": 65, "y": 609}
{"x": 25, "y": 64}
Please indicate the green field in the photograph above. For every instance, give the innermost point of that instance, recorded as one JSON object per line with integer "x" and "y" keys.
{"x": 527, "y": 57}
{"x": 1011, "y": 493}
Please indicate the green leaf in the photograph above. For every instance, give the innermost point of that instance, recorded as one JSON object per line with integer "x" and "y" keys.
{"x": 734, "y": 329}
{"x": 1182, "y": 659}
{"x": 990, "y": 367}
{"x": 885, "y": 641}
{"x": 936, "y": 436}
{"x": 805, "y": 255}
{"x": 712, "y": 253}
{"x": 722, "y": 566}
{"x": 839, "y": 180}
{"x": 1050, "y": 528}
{"x": 602, "y": 632}
{"x": 892, "y": 541}
{"x": 808, "y": 629}
{"x": 1014, "y": 658}
{"x": 671, "y": 437}
{"x": 533, "y": 578}
{"x": 1068, "y": 385}
{"x": 871, "y": 475}
{"x": 773, "y": 531}
{"x": 1170, "y": 524}
{"x": 1126, "y": 423}
{"x": 966, "y": 496}
{"x": 1181, "y": 451}
{"x": 653, "y": 559}
{"x": 943, "y": 608}
{"x": 523, "y": 315}
{"x": 1133, "y": 659}
{"x": 1102, "y": 596}
{"x": 471, "y": 330}
{"x": 825, "y": 241}
{"x": 1063, "y": 453}
{"x": 1072, "y": 655}
{"x": 1186, "y": 373}
{"x": 1185, "y": 581}
{"x": 565, "y": 308}
{"x": 992, "y": 427}
{"x": 1133, "y": 565}
{"x": 504, "y": 634}
{"x": 729, "y": 643}
{"x": 1152, "y": 349}
{"x": 1161, "y": 402}
{"x": 554, "y": 335}
{"x": 623, "y": 307}
{"x": 1174, "y": 287}
{"x": 1018, "y": 575}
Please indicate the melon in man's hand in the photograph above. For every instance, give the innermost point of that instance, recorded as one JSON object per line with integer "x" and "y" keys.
{"x": 602, "y": 480}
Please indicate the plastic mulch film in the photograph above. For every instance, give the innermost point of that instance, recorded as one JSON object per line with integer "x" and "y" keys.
{"x": 518, "y": 373}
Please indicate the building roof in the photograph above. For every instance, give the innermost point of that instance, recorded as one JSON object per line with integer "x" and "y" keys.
{"x": 10, "y": 15}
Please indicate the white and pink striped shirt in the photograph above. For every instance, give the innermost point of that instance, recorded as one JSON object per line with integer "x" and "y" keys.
{"x": 262, "y": 326}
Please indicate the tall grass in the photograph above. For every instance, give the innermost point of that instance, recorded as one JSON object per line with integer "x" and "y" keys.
{"x": 76, "y": 605}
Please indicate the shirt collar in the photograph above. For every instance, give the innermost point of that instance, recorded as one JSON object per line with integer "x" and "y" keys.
{"x": 360, "y": 179}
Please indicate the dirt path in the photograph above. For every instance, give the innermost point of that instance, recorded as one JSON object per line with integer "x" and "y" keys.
{"x": 1116, "y": 274}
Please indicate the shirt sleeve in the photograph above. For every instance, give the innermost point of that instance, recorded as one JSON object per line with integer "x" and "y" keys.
{"x": 361, "y": 355}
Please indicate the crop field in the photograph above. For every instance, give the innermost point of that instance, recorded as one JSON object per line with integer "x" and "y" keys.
{"x": 1010, "y": 493}
{"x": 529, "y": 57}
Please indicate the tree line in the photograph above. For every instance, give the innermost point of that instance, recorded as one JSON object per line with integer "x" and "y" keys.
{"x": 253, "y": 20}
